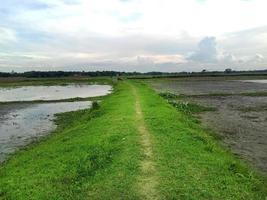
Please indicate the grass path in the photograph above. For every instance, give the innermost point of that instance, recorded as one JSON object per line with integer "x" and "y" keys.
{"x": 190, "y": 164}
{"x": 134, "y": 146}
{"x": 147, "y": 180}
{"x": 92, "y": 155}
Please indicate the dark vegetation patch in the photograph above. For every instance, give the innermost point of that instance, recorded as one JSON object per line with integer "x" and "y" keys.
{"x": 255, "y": 94}
{"x": 184, "y": 106}
{"x": 95, "y": 105}
{"x": 168, "y": 95}
{"x": 97, "y": 158}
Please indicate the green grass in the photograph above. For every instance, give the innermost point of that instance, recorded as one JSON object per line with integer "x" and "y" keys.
{"x": 183, "y": 106}
{"x": 96, "y": 154}
{"x": 190, "y": 162}
{"x": 92, "y": 155}
{"x": 255, "y": 94}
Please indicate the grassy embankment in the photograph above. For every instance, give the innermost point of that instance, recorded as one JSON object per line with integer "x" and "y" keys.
{"x": 99, "y": 154}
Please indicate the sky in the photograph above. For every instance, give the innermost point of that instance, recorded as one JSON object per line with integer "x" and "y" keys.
{"x": 133, "y": 35}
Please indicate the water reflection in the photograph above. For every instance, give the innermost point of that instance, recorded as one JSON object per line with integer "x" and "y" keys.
{"x": 31, "y": 93}
{"x": 255, "y": 81}
{"x": 21, "y": 124}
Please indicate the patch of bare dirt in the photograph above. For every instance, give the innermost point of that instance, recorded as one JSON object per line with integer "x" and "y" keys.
{"x": 241, "y": 121}
{"x": 147, "y": 181}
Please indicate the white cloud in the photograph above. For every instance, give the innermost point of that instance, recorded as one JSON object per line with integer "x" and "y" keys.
{"x": 227, "y": 58}
{"x": 207, "y": 51}
{"x": 7, "y": 36}
{"x": 256, "y": 59}
{"x": 134, "y": 34}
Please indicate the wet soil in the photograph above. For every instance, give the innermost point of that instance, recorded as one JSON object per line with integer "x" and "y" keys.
{"x": 240, "y": 121}
{"x": 200, "y": 87}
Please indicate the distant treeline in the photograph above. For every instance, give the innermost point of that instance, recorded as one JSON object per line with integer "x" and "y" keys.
{"x": 51, "y": 74}
{"x": 227, "y": 72}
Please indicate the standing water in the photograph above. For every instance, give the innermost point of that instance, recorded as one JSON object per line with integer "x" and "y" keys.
{"x": 256, "y": 81}
{"x": 22, "y": 123}
{"x": 32, "y": 93}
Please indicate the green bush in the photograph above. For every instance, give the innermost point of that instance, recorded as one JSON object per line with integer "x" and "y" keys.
{"x": 95, "y": 105}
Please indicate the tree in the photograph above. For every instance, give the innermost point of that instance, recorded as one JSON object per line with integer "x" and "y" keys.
{"x": 228, "y": 70}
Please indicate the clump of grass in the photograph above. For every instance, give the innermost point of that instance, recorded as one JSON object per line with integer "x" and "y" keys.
{"x": 184, "y": 106}
{"x": 95, "y": 105}
{"x": 168, "y": 95}
{"x": 255, "y": 94}
{"x": 97, "y": 158}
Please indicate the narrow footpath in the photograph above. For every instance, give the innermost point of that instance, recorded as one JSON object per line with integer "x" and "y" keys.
{"x": 147, "y": 180}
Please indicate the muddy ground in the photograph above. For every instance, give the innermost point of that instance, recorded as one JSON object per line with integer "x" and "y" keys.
{"x": 208, "y": 86}
{"x": 240, "y": 121}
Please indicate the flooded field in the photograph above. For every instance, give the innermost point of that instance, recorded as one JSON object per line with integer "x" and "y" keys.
{"x": 32, "y": 93}
{"x": 240, "y": 118}
{"x": 22, "y": 123}
{"x": 199, "y": 86}
{"x": 255, "y": 81}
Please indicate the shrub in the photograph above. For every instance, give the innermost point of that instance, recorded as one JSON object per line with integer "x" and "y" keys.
{"x": 95, "y": 105}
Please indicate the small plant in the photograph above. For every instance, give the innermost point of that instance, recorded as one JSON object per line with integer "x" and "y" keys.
{"x": 167, "y": 95}
{"x": 95, "y": 105}
{"x": 183, "y": 106}
{"x": 97, "y": 158}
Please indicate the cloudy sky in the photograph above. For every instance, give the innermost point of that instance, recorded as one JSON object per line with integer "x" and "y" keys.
{"x": 133, "y": 35}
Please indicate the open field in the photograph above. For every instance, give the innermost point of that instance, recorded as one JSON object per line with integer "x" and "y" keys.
{"x": 239, "y": 117}
{"x": 210, "y": 86}
{"x": 133, "y": 146}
